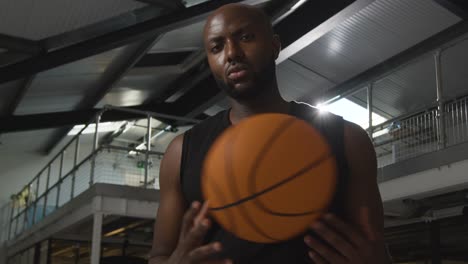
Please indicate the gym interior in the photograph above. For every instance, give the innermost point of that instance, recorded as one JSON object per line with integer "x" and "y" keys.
{"x": 92, "y": 93}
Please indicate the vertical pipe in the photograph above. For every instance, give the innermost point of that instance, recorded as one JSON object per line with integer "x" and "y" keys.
{"x": 46, "y": 193}
{"x": 36, "y": 200}
{"x": 426, "y": 135}
{"x": 369, "y": 108}
{"x": 419, "y": 132}
{"x": 466, "y": 116}
{"x": 452, "y": 122}
{"x": 457, "y": 122}
{"x": 27, "y": 202}
{"x": 59, "y": 182}
{"x": 442, "y": 140}
{"x": 95, "y": 146}
{"x": 77, "y": 253}
{"x": 148, "y": 148}
{"x": 12, "y": 211}
{"x": 75, "y": 162}
{"x": 96, "y": 240}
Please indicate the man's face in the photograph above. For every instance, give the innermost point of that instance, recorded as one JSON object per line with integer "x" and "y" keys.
{"x": 241, "y": 52}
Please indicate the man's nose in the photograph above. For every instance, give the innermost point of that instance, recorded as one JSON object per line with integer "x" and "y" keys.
{"x": 234, "y": 52}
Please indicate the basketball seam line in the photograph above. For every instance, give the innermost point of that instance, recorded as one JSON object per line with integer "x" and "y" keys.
{"x": 267, "y": 146}
{"x": 230, "y": 172}
{"x": 274, "y": 186}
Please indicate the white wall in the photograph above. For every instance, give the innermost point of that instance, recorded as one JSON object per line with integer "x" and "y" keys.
{"x": 431, "y": 182}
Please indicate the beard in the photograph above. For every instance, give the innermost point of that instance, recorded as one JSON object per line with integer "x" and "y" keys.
{"x": 258, "y": 84}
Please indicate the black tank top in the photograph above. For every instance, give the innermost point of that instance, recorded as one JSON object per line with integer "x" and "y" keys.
{"x": 197, "y": 142}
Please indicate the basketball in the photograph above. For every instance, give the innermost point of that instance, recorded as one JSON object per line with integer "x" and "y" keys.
{"x": 269, "y": 177}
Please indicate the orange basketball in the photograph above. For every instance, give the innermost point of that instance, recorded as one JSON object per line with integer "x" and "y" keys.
{"x": 269, "y": 177}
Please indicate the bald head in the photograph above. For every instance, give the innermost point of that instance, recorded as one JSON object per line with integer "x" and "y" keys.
{"x": 255, "y": 14}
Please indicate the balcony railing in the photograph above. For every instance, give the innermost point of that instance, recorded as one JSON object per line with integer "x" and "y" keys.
{"x": 422, "y": 132}
{"x": 79, "y": 165}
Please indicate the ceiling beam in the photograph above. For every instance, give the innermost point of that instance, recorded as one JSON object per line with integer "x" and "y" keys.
{"x": 20, "y": 45}
{"x": 11, "y": 124}
{"x": 198, "y": 98}
{"x": 20, "y": 93}
{"x": 440, "y": 40}
{"x": 108, "y": 41}
{"x": 168, "y": 4}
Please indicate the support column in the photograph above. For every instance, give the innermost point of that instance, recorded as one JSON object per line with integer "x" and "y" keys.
{"x": 441, "y": 136}
{"x": 435, "y": 243}
{"x": 148, "y": 148}
{"x": 96, "y": 241}
{"x": 369, "y": 108}
{"x": 95, "y": 146}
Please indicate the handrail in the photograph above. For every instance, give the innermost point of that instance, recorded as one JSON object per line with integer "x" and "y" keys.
{"x": 57, "y": 155}
{"x": 153, "y": 114}
{"x": 382, "y": 126}
{"x": 132, "y": 149}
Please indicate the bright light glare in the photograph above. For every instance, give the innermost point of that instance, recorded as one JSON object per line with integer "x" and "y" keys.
{"x": 103, "y": 127}
{"x": 352, "y": 112}
{"x": 298, "y": 4}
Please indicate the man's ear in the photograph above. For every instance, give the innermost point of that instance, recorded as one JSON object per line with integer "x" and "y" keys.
{"x": 276, "y": 45}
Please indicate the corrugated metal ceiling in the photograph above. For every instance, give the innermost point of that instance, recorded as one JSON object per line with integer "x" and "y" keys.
{"x": 291, "y": 79}
{"x": 454, "y": 62}
{"x": 406, "y": 90}
{"x": 36, "y": 19}
{"x": 135, "y": 89}
{"x": 376, "y": 33}
{"x": 185, "y": 38}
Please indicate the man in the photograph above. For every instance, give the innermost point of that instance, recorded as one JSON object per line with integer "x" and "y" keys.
{"x": 241, "y": 50}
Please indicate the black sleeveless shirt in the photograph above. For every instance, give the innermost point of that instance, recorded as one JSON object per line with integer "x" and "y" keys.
{"x": 196, "y": 144}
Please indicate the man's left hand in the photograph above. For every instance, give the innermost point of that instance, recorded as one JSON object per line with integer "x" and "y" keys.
{"x": 344, "y": 243}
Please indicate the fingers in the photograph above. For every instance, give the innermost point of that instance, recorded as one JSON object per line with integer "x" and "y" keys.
{"x": 223, "y": 261}
{"x": 316, "y": 258}
{"x": 202, "y": 213}
{"x": 325, "y": 252}
{"x": 204, "y": 253}
{"x": 335, "y": 240}
{"x": 201, "y": 224}
{"x": 189, "y": 217}
{"x": 355, "y": 237}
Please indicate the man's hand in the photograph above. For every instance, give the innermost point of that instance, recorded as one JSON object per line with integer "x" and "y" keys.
{"x": 194, "y": 227}
{"x": 344, "y": 243}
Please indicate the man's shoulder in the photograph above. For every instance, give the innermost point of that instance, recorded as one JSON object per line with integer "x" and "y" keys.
{"x": 314, "y": 114}
{"x": 209, "y": 123}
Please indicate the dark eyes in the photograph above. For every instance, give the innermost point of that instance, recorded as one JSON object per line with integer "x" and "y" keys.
{"x": 218, "y": 47}
{"x": 246, "y": 37}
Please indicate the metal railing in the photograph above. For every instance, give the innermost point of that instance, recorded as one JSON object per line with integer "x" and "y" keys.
{"x": 421, "y": 132}
{"x": 77, "y": 166}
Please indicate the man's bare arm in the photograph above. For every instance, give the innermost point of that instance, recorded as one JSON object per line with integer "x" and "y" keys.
{"x": 178, "y": 234}
{"x": 363, "y": 201}
{"x": 171, "y": 206}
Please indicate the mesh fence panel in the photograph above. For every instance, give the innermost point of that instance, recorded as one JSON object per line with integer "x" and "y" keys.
{"x": 4, "y": 222}
{"x": 65, "y": 190}
{"x": 51, "y": 200}
{"x": 124, "y": 167}
{"x": 82, "y": 178}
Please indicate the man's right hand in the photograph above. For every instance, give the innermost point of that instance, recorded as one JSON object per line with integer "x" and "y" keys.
{"x": 194, "y": 227}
